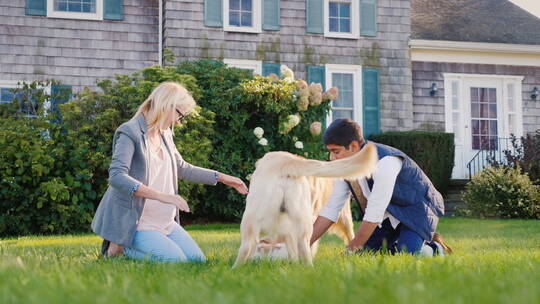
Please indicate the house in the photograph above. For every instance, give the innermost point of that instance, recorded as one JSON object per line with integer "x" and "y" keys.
{"x": 464, "y": 66}
{"x": 475, "y": 73}
{"x": 360, "y": 46}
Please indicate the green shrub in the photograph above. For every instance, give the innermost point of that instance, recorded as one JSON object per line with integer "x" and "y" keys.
{"x": 502, "y": 192}
{"x": 432, "y": 151}
{"x": 242, "y": 103}
{"x": 45, "y": 181}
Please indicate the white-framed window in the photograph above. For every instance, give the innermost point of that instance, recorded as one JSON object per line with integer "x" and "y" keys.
{"x": 75, "y": 9}
{"x": 253, "y": 65}
{"x": 348, "y": 80}
{"x": 7, "y": 95}
{"x": 242, "y": 16}
{"x": 341, "y": 18}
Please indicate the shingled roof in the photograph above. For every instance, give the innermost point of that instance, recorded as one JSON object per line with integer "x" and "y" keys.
{"x": 498, "y": 21}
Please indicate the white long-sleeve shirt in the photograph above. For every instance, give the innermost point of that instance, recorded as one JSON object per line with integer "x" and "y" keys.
{"x": 384, "y": 180}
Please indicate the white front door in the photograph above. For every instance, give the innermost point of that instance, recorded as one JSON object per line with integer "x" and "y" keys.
{"x": 482, "y": 111}
{"x": 483, "y": 120}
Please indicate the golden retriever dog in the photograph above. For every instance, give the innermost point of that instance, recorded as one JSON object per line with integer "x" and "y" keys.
{"x": 281, "y": 203}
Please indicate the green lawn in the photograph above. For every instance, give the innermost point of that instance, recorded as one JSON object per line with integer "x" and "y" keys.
{"x": 497, "y": 261}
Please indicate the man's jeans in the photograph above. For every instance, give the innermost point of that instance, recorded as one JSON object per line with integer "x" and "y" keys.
{"x": 401, "y": 239}
{"x": 155, "y": 246}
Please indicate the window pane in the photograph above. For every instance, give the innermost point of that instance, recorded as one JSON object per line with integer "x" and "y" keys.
{"x": 334, "y": 25}
{"x": 476, "y": 142}
{"x": 484, "y": 127}
{"x": 234, "y": 18}
{"x": 493, "y": 127}
{"x": 6, "y": 95}
{"x": 475, "y": 110}
{"x": 333, "y": 11}
{"x": 246, "y": 5}
{"x": 484, "y": 110}
{"x": 345, "y": 26}
{"x": 344, "y": 83}
{"x": 77, "y": 6}
{"x": 474, "y": 94}
{"x": 344, "y": 10}
{"x": 74, "y": 7}
{"x": 493, "y": 143}
{"x": 234, "y": 5}
{"x": 342, "y": 114}
{"x": 246, "y": 19}
{"x": 483, "y": 95}
{"x": 492, "y": 110}
{"x": 475, "y": 127}
{"x": 492, "y": 95}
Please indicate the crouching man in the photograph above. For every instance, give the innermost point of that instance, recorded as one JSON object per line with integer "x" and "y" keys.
{"x": 400, "y": 204}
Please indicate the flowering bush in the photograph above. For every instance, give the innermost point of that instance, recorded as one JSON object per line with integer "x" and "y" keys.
{"x": 254, "y": 115}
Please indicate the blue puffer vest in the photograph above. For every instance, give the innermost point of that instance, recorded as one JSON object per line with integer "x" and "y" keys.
{"x": 415, "y": 201}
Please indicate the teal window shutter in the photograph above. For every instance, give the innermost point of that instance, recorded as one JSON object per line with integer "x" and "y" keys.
{"x": 316, "y": 73}
{"x": 59, "y": 94}
{"x": 315, "y": 16}
{"x": 270, "y": 15}
{"x": 269, "y": 68}
{"x": 36, "y": 7}
{"x": 213, "y": 13}
{"x": 368, "y": 18}
{"x": 113, "y": 9}
{"x": 371, "y": 102}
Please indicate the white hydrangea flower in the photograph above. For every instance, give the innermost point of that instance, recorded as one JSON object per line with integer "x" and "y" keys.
{"x": 294, "y": 120}
{"x": 287, "y": 73}
{"x": 299, "y": 145}
{"x": 263, "y": 142}
{"x": 248, "y": 177}
{"x": 258, "y": 131}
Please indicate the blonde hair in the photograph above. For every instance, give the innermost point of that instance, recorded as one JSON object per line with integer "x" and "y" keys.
{"x": 164, "y": 99}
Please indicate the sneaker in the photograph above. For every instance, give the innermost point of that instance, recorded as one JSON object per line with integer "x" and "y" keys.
{"x": 441, "y": 244}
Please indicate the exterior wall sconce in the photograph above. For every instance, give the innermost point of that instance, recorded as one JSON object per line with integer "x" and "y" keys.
{"x": 433, "y": 89}
{"x": 535, "y": 93}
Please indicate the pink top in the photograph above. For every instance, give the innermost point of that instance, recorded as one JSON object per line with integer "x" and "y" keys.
{"x": 157, "y": 215}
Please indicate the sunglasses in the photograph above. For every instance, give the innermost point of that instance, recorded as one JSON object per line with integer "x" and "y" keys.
{"x": 180, "y": 116}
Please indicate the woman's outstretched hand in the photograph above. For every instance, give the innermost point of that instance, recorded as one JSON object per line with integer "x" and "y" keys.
{"x": 175, "y": 200}
{"x": 234, "y": 182}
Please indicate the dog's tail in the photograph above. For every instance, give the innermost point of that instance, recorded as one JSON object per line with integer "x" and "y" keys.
{"x": 360, "y": 164}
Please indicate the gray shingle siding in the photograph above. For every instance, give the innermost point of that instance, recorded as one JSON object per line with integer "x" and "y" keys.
{"x": 429, "y": 111}
{"x": 186, "y": 35}
{"x": 76, "y": 52}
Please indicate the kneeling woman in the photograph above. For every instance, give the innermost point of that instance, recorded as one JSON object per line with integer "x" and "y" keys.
{"x": 139, "y": 212}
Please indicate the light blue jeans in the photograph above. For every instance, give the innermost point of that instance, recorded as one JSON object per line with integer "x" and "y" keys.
{"x": 153, "y": 245}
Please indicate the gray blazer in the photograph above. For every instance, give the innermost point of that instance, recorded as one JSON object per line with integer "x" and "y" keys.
{"x": 119, "y": 211}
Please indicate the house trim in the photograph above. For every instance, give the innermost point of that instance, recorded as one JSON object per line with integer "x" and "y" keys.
{"x": 475, "y": 52}
{"x": 254, "y": 65}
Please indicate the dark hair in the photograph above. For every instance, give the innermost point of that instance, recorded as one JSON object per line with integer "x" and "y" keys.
{"x": 343, "y": 132}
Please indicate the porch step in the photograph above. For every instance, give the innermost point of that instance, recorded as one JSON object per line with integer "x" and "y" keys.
{"x": 453, "y": 199}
